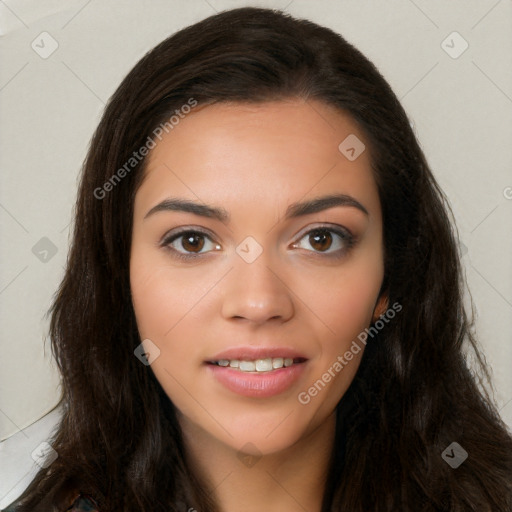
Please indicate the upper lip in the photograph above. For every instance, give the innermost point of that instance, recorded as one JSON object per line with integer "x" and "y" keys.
{"x": 251, "y": 353}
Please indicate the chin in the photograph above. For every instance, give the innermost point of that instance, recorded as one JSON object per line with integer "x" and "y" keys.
{"x": 256, "y": 432}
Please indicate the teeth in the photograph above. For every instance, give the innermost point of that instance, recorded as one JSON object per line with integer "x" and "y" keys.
{"x": 247, "y": 366}
{"x": 278, "y": 362}
{"x": 264, "y": 365}
{"x": 258, "y": 365}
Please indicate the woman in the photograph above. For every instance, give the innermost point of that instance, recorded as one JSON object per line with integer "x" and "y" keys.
{"x": 262, "y": 308}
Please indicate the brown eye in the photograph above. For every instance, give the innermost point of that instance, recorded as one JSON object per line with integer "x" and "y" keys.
{"x": 320, "y": 240}
{"x": 192, "y": 242}
{"x": 189, "y": 243}
{"x": 327, "y": 241}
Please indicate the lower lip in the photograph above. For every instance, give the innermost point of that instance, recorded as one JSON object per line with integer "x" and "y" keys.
{"x": 259, "y": 385}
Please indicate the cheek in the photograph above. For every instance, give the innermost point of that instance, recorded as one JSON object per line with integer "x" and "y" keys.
{"x": 344, "y": 299}
{"x": 169, "y": 306}
{"x": 163, "y": 310}
{"x": 161, "y": 297}
{"x": 153, "y": 301}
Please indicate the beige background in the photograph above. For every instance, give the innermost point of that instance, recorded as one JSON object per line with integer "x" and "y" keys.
{"x": 460, "y": 104}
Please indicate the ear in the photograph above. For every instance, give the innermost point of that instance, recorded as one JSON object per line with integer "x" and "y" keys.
{"x": 380, "y": 307}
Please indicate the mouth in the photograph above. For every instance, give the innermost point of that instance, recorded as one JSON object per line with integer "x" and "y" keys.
{"x": 255, "y": 366}
{"x": 257, "y": 372}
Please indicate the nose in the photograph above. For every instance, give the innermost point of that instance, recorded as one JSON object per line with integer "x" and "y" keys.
{"x": 255, "y": 292}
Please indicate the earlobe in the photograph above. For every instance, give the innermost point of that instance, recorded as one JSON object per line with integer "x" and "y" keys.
{"x": 380, "y": 307}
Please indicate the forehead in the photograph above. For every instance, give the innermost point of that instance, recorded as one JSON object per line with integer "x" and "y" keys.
{"x": 267, "y": 152}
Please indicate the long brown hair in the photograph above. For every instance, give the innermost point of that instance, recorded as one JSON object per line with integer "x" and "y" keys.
{"x": 413, "y": 395}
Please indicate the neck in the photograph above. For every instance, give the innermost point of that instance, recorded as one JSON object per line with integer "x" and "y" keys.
{"x": 292, "y": 479}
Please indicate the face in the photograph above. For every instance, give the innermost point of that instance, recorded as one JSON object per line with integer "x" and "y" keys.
{"x": 250, "y": 302}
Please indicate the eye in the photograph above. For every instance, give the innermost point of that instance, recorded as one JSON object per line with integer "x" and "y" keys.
{"x": 322, "y": 240}
{"x": 188, "y": 243}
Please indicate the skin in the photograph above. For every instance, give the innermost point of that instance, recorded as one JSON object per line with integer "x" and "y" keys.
{"x": 254, "y": 161}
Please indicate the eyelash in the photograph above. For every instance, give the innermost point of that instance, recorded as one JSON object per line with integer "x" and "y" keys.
{"x": 346, "y": 237}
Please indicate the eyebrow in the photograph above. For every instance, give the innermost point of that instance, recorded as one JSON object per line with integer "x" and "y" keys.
{"x": 294, "y": 210}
